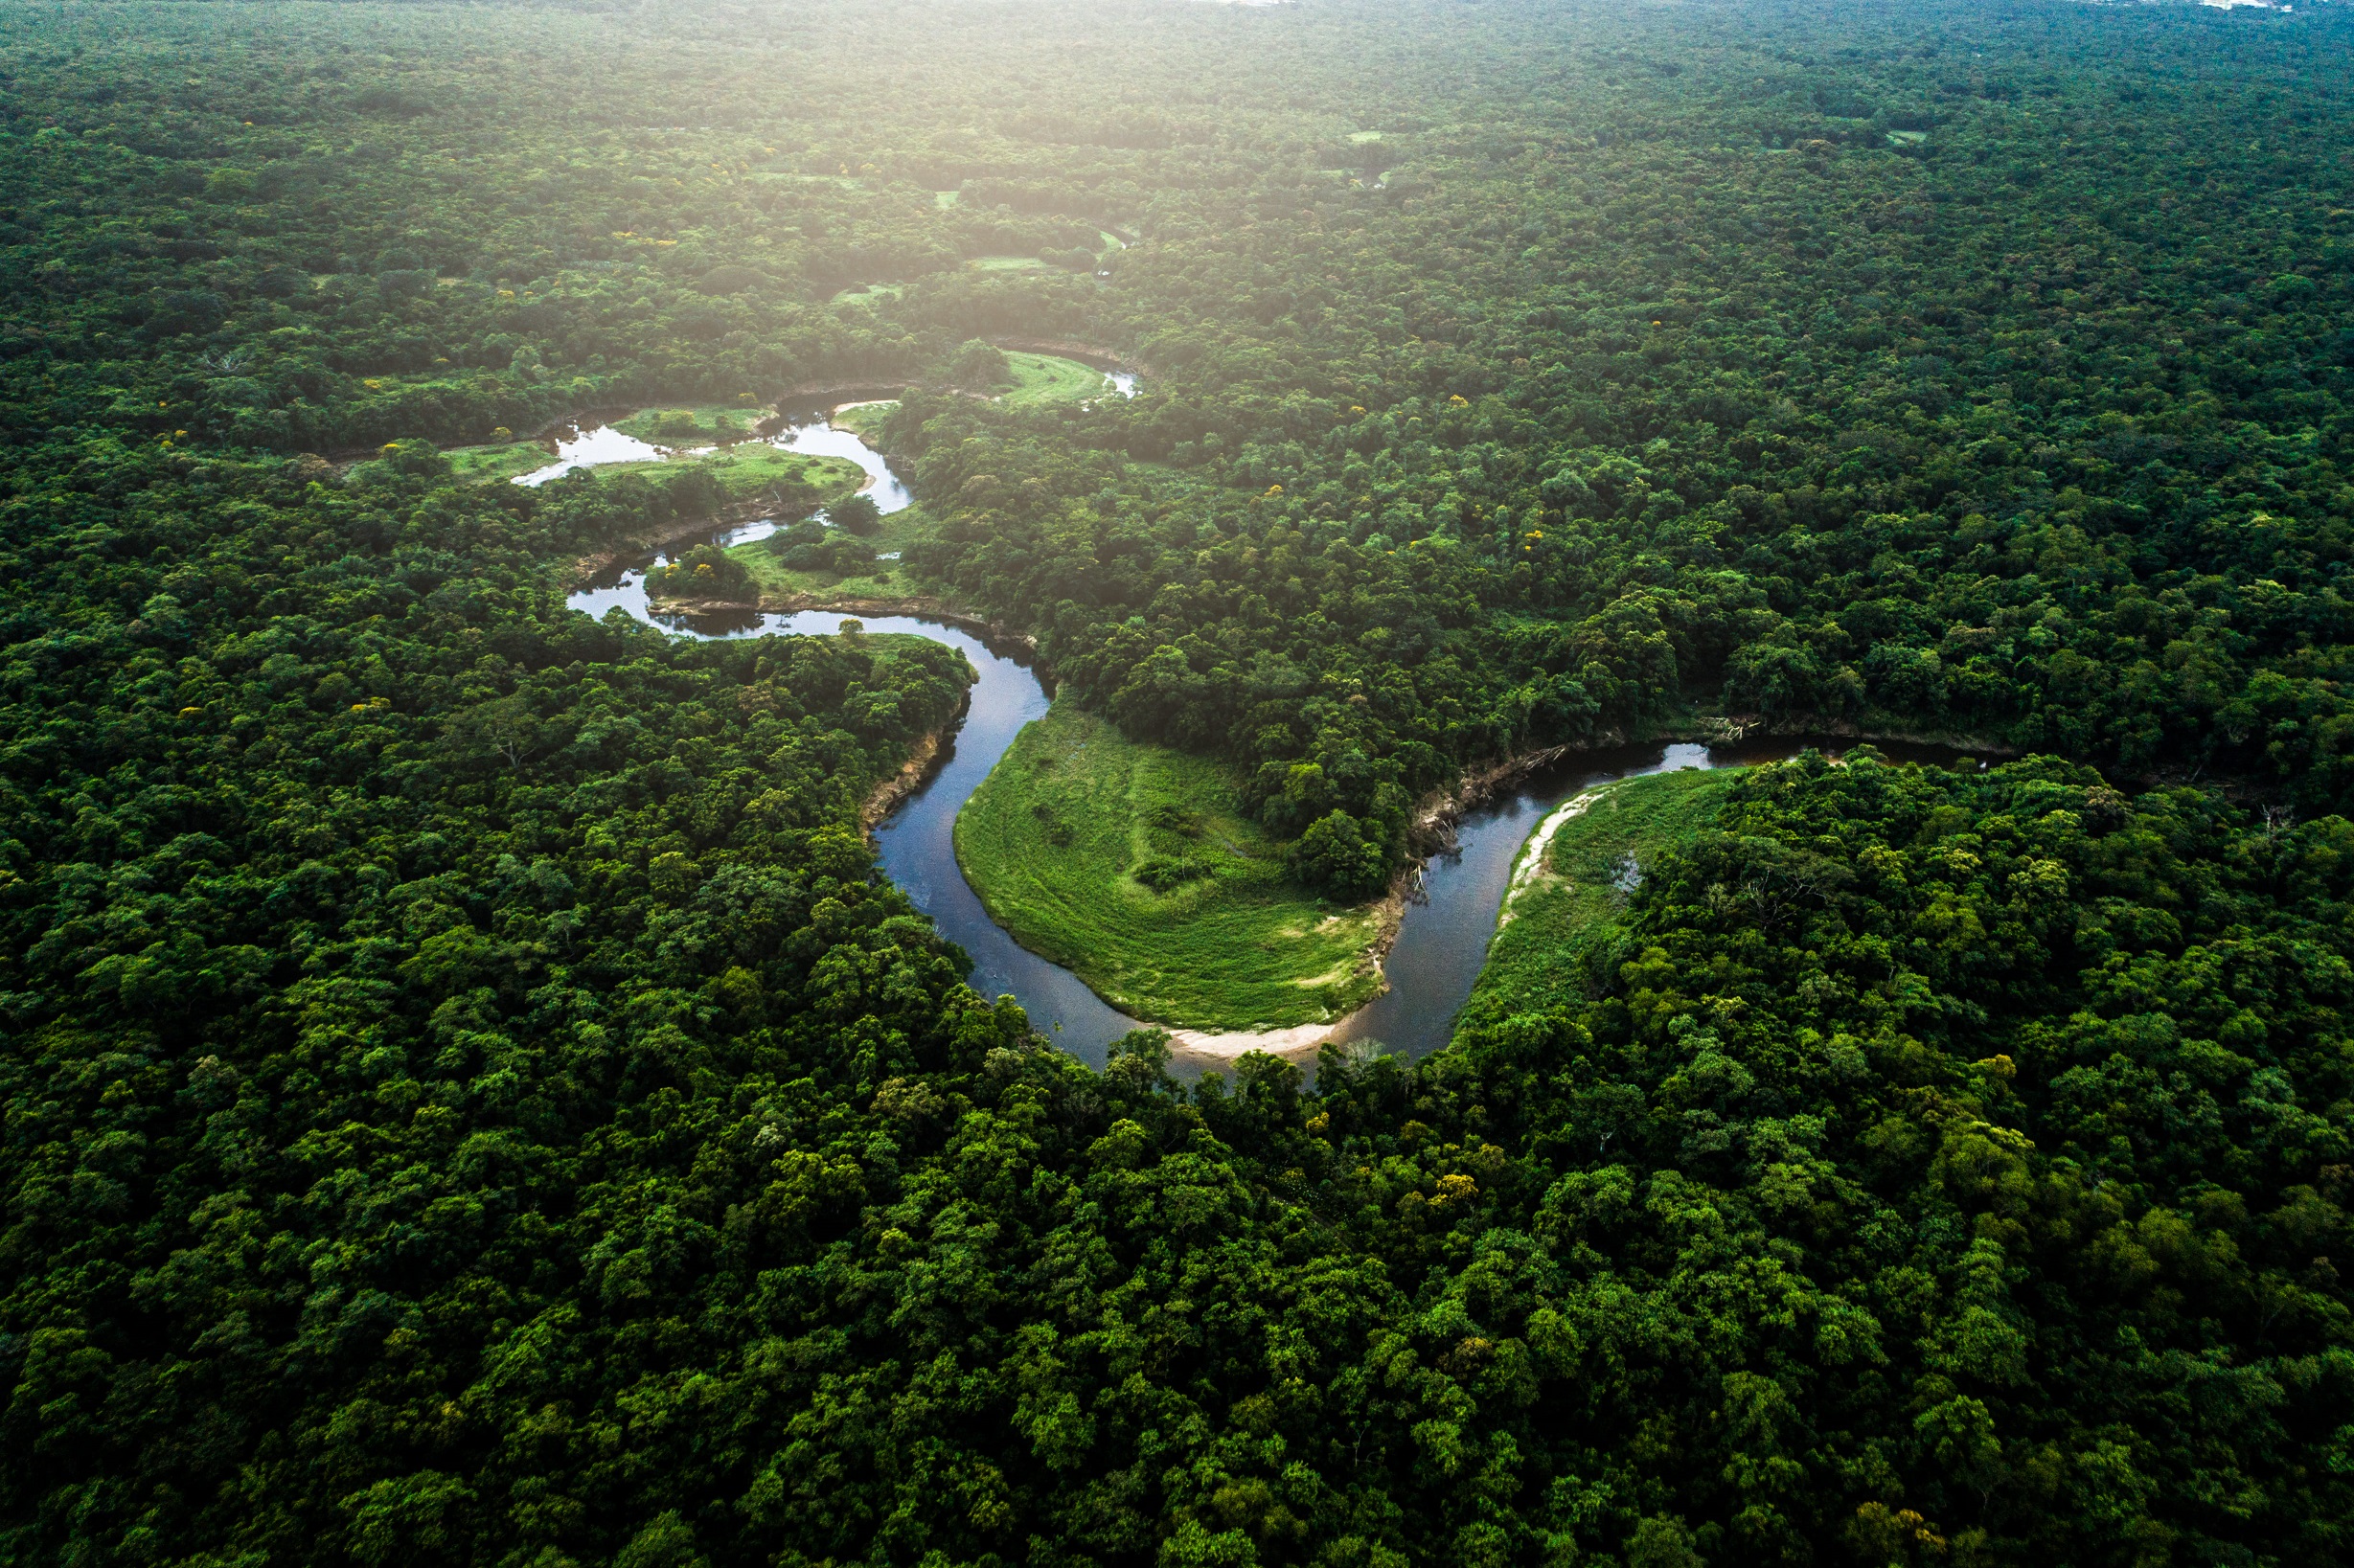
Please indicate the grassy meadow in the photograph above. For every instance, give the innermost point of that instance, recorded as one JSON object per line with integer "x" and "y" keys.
{"x": 865, "y": 421}
{"x": 1131, "y": 865}
{"x": 747, "y": 469}
{"x": 1557, "y": 911}
{"x": 500, "y": 460}
{"x": 702, "y": 425}
{"x": 752, "y": 467}
{"x": 1049, "y": 378}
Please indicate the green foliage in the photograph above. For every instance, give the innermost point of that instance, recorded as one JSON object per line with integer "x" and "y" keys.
{"x": 703, "y": 572}
{"x": 1935, "y": 1044}
{"x": 423, "y": 888}
{"x": 980, "y": 367}
{"x": 811, "y": 547}
{"x": 1134, "y": 866}
{"x": 1336, "y": 856}
{"x": 856, "y": 515}
{"x": 1565, "y": 909}
{"x": 469, "y": 1099}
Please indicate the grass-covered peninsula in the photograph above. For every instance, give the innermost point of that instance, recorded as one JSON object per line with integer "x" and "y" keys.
{"x": 1131, "y": 865}
{"x": 746, "y": 469}
{"x": 1050, "y": 378}
{"x": 860, "y": 567}
{"x": 1575, "y": 877}
{"x": 752, "y": 469}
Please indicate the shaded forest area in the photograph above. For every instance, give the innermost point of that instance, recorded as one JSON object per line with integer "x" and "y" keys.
{"x": 470, "y": 1098}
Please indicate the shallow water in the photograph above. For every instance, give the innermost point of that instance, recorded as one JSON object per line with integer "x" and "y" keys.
{"x": 624, "y": 587}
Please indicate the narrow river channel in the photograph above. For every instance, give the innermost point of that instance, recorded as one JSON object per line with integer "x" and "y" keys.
{"x": 1441, "y": 945}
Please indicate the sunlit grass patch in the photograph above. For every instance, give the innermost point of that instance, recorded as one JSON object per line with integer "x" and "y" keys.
{"x": 703, "y": 425}
{"x": 1049, "y": 378}
{"x": 866, "y": 420}
{"x": 500, "y": 460}
{"x": 1596, "y": 858}
{"x": 1133, "y": 866}
{"x": 753, "y": 468}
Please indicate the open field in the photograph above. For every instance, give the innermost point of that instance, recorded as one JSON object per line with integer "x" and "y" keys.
{"x": 1130, "y": 865}
{"x": 1049, "y": 378}
{"x": 1556, "y": 911}
{"x": 866, "y": 420}
{"x": 746, "y": 469}
{"x": 699, "y": 425}
{"x": 503, "y": 460}
{"x": 751, "y": 468}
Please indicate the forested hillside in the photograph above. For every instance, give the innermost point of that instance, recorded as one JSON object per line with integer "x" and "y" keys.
{"x": 470, "y": 1098}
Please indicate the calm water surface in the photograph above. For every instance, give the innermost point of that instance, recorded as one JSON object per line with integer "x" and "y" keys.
{"x": 915, "y": 841}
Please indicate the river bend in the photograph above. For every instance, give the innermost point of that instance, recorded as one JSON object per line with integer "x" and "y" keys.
{"x": 1442, "y": 943}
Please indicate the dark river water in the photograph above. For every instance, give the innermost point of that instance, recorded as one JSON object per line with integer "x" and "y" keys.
{"x": 1441, "y": 945}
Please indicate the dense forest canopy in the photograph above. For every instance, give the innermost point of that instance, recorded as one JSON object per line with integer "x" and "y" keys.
{"x": 470, "y": 1098}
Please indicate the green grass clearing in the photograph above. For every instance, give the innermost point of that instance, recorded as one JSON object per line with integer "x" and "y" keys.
{"x": 1054, "y": 841}
{"x": 1907, "y": 138}
{"x": 754, "y": 467}
{"x": 1004, "y": 264}
{"x": 501, "y": 460}
{"x": 1554, "y": 913}
{"x": 705, "y": 424}
{"x": 887, "y": 579}
{"x": 747, "y": 470}
{"x": 1362, "y": 136}
{"x": 946, "y": 199}
{"x": 865, "y": 421}
{"x": 1047, "y": 378}
{"x": 868, "y": 293}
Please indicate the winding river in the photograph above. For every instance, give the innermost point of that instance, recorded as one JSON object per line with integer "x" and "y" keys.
{"x": 1442, "y": 943}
